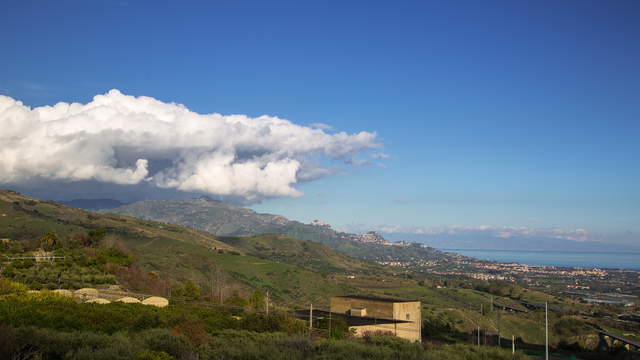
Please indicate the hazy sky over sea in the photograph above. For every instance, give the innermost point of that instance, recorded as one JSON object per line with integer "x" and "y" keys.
{"x": 510, "y": 117}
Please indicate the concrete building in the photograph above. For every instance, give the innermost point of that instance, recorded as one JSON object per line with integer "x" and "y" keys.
{"x": 403, "y": 318}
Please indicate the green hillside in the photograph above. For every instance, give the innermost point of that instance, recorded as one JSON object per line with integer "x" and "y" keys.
{"x": 285, "y": 249}
{"x": 167, "y": 255}
{"x": 198, "y": 213}
{"x": 223, "y": 219}
{"x": 26, "y": 219}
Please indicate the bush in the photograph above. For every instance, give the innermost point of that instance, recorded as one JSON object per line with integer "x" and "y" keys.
{"x": 112, "y": 255}
{"x": 30, "y": 342}
{"x": 236, "y": 301}
{"x": 272, "y": 323}
{"x": 11, "y": 287}
{"x": 95, "y": 237}
{"x": 154, "y": 355}
{"x": 49, "y": 241}
{"x": 570, "y": 327}
{"x": 165, "y": 341}
{"x": 188, "y": 290}
{"x": 257, "y": 301}
{"x": 192, "y": 329}
{"x": 160, "y": 344}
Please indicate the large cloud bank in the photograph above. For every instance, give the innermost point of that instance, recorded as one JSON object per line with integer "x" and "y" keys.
{"x": 121, "y": 139}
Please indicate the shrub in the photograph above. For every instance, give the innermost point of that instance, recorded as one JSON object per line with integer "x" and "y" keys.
{"x": 163, "y": 340}
{"x": 33, "y": 343}
{"x": 237, "y": 301}
{"x": 94, "y": 237}
{"x": 113, "y": 255}
{"x": 160, "y": 344}
{"x": 188, "y": 290}
{"x": 104, "y": 347}
{"x": 192, "y": 329}
{"x": 257, "y": 301}
{"x": 272, "y": 323}
{"x": 11, "y": 287}
{"x": 49, "y": 241}
{"x": 153, "y": 355}
{"x": 570, "y": 327}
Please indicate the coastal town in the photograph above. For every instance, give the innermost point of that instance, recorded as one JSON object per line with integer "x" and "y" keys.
{"x": 592, "y": 285}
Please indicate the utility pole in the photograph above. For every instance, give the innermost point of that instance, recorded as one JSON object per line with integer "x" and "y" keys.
{"x": 546, "y": 330}
{"x": 211, "y": 288}
{"x": 329, "y": 323}
{"x": 513, "y": 345}
{"x": 498, "y": 315}
{"x": 267, "y": 302}
{"x": 478, "y": 334}
{"x": 310, "y": 317}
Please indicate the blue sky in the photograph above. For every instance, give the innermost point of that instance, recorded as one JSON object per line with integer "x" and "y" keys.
{"x": 493, "y": 113}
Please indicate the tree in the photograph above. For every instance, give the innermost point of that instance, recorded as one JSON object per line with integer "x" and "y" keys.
{"x": 49, "y": 241}
{"x": 217, "y": 281}
{"x": 257, "y": 301}
{"x": 236, "y": 300}
{"x": 94, "y": 237}
{"x": 189, "y": 290}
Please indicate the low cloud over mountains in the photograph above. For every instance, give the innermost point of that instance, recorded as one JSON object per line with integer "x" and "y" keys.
{"x": 486, "y": 237}
{"x": 503, "y": 232}
{"x": 126, "y": 140}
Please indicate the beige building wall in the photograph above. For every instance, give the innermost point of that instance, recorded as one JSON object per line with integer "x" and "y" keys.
{"x": 377, "y": 309}
{"x": 361, "y": 330}
{"x": 407, "y": 311}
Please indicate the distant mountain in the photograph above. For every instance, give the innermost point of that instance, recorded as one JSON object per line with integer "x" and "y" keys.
{"x": 93, "y": 204}
{"x": 223, "y": 219}
{"x": 204, "y": 213}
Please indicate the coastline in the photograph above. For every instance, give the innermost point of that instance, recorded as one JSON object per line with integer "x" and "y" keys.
{"x": 559, "y": 258}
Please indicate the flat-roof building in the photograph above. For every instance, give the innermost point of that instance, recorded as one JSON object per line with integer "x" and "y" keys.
{"x": 402, "y": 318}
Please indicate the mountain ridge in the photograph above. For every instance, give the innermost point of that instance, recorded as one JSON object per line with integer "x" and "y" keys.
{"x": 224, "y": 219}
{"x": 93, "y": 204}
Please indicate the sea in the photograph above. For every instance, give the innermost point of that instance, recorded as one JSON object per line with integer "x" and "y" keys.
{"x": 601, "y": 260}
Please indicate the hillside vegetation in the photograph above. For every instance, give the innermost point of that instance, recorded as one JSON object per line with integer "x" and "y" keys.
{"x": 197, "y": 270}
{"x": 50, "y": 326}
{"x": 223, "y": 219}
{"x": 134, "y": 253}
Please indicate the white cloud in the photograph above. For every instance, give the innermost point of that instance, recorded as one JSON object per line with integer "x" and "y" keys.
{"x": 504, "y": 232}
{"x": 380, "y": 155}
{"x": 321, "y": 126}
{"x": 124, "y": 139}
{"x": 357, "y": 162}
